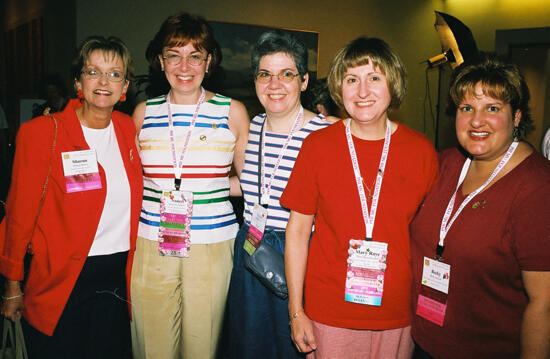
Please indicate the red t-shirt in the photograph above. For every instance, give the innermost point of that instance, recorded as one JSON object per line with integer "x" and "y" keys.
{"x": 323, "y": 183}
{"x": 487, "y": 247}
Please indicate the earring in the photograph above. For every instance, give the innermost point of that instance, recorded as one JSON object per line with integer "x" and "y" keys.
{"x": 80, "y": 95}
{"x": 206, "y": 71}
{"x": 123, "y": 97}
{"x": 515, "y": 134}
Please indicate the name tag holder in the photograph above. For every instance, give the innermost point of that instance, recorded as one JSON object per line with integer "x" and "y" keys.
{"x": 174, "y": 238}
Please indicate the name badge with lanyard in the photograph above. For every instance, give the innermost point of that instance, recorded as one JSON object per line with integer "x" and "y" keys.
{"x": 367, "y": 258}
{"x": 432, "y": 300}
{"x": 176, "y": 206}
{"x": 259, "y": 213}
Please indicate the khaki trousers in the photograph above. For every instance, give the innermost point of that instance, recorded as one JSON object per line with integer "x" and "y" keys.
{"x": 178, "y": 303}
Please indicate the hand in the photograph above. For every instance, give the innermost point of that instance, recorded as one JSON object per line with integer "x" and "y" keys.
{"x": 12, "y": 307}
{"x": 301, "y": 331}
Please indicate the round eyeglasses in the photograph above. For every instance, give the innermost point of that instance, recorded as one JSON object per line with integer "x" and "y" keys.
{"x": 94, "y": 74}
{"x": 193, "y": 59}
{"x": 265, "y": 77}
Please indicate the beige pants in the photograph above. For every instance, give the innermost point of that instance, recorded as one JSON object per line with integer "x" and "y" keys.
{"x": 178, "y": 303}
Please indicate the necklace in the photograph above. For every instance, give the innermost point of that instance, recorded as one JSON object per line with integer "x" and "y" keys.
{"x": 369, "y": 195}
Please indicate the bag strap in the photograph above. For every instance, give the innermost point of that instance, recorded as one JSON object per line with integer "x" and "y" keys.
{"x": 6, "y": 331}
{"x": 49, "y": 168}
{"x": 20, "y": 347}
{"x": 29, "y": 249}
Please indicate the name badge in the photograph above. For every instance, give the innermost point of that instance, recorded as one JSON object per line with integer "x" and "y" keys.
{"x": 176, "y": 209}
{"x": 365, "y": 274}
{"x": 432, "y": 300}
{"x": 80, "y": 170}
{"x": 256, "y": 230}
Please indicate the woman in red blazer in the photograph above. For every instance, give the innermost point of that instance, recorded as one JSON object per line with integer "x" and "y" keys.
{"x": 82, "y": 233}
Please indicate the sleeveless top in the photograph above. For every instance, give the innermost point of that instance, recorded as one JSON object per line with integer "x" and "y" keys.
{"x": 205, "y": 172}
{"x": 277, "y": 216}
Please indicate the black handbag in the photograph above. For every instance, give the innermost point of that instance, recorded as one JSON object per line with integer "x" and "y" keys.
{"x": 269, "y": 267}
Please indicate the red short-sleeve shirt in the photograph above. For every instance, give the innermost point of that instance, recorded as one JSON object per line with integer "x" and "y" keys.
{"x": 323, "y": 183}
{"x": 487, "y": 247}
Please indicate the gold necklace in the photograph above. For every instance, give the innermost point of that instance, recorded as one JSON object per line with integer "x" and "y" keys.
{"x": 369, "y": 196}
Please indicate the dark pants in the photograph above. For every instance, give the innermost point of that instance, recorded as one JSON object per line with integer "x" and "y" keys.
{"x": 419, "y": 353}
{"x": 256, "y": 321}
{"x": 94, "y": 322}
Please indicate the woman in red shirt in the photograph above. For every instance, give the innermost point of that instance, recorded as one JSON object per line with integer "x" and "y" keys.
{"x": 480, "y": 243}
{"x": 362, "y": 180}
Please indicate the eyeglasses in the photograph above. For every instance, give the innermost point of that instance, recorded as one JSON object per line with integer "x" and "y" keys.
{"x": 265, "y": 77}
{"x": 113, "y": 76}
{"x": 193, "y": 59}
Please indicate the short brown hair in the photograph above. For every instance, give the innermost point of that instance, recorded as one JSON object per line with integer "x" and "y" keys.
{"x": 182, "y": 29}
{"x": 360, "y": 52}
{"x": 111, "y": 46}
{"x": 499, "y": 79}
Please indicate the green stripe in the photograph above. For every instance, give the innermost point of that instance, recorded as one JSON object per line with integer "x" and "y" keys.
{"x": 222, "y": 96}
{"x": 151, "y": 190}
{"x": 156, "y": 100}
{"x": 218, "y": 102}
{"x": 212, "y": 200}
{"x": 214, "y": 191}
{"x": 152, "y": 199}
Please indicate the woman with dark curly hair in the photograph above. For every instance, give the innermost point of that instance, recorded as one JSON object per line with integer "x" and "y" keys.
{"x": 480, "y": 243}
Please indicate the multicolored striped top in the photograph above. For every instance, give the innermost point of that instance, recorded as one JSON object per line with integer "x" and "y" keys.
{"x": 277, "y": 216}
{"x": 205, "y": 171}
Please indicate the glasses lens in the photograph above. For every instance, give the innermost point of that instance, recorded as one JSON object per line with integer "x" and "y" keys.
{"x": 115, "y": 76}
{"x": 286, "y": 76}
{"x": 92, "y": 73}
{"x": 263, "y": 77}
{"x": 173, "y": 59}
{"x": 195, "y": 59}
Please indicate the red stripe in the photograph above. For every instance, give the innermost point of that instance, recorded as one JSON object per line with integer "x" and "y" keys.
{"x": 185, "y": 175}
{"x": 194, "y": 166}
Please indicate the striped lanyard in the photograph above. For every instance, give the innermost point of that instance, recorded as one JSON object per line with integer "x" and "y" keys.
{"x": 266, "y": 186}
{"x": 445, "y": 223}
{"x": 369, "y": 218}
{"x": 178, "y": 167}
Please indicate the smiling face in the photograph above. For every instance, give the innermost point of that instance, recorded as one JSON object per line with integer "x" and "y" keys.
{"x": 185, "y": 79}
{"x": 365, "y": 94}
{"x": 279, "y": 98}
{"x": 484, "y": 125}
{"x": 100, "y": 92}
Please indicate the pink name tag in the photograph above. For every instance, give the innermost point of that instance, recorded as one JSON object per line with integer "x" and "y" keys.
{"x": 431, "y": 310}
{"x": 81, "y": 170}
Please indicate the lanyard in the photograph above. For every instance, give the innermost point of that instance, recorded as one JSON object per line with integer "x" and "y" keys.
{"x": 178, "y": 167}
{"x": 445, "y": 223}
{"x": 265, "y": 188}
{"x": 369, "y": 218}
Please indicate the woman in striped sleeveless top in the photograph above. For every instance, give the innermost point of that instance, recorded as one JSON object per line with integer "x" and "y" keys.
{"x": 188, "y": 140}
{"x": 256, "y": 320}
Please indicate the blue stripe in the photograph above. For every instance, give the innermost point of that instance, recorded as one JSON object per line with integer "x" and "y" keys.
{"x": 212, "y": 217}
{"x": 185, "y": 124}
{"x": 196, "y": 226}
{"x": 187, "y": 115}
{"x": 269, "y": 165}
{"x": 150, "y": 213}
{"x": 212, "y": 226}
{"x": 276, "y": 155}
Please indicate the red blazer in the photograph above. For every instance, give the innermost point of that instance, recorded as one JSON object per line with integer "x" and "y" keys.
{"x": 67, "y": 222}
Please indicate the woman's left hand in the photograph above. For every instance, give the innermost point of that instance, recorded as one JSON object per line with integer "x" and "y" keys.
{"x": 12, "y": 301}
